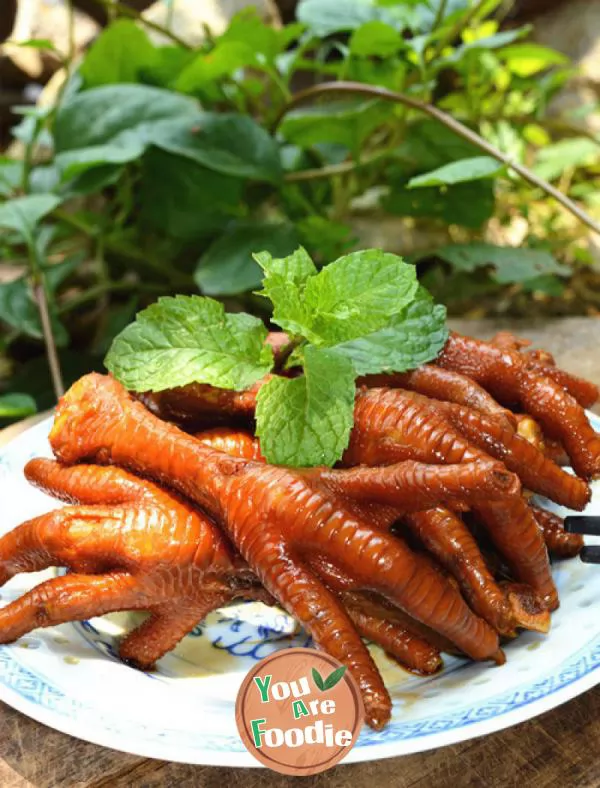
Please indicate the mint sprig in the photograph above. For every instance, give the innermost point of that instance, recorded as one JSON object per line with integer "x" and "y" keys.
{"x": 307, "y": 420}
{"x": 412, "y": 338}
{"x": 349, "y": 298}
{"x": 190, "y": 339}
{"x": 362, "y": 314}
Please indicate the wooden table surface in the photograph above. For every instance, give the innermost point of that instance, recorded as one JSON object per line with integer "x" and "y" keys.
{"x": 559, "y": 748}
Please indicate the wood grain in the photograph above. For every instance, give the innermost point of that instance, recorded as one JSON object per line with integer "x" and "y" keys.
{"x": 559, "y": 748}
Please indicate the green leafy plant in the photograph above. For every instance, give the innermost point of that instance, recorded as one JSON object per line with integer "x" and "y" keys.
{"x": 160, "y": 169}
{"x": 363, "y": 313}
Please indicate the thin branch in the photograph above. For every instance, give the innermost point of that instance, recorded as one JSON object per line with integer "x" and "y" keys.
{"x": 131, "y": 13}
{"x": 329, "y": 171}
{"x": 41, "y": 300}
{"x": 455, "y": 31}
{"x": 95, "y": 293}
{"x": 344, "y": 167}
{"x": 440, "y": 14}
{"x": 357, "y": 88}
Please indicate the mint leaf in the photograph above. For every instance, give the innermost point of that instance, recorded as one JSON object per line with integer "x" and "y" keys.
{"x": 353, "y": 296}
{"x": 358, "y": 294}
{"x": 306, "y": 421}
{"x": 334, "y": 678}
{"x": 189, "y": 339}
{"x": 414, "y": 338}
{"x": 458, "y": 172}
{"x": 284, "y": 283}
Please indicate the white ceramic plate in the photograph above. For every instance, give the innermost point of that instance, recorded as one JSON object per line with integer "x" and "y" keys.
{"x": 69, "y": 677}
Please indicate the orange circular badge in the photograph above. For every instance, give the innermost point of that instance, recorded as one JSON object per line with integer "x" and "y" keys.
{"x": 299, "y": 711}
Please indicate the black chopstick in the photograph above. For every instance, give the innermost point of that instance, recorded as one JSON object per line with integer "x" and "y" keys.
{"x": 583, "y": 524}
{"x": 590, "y": 555}
{"x": 590, "y": 526}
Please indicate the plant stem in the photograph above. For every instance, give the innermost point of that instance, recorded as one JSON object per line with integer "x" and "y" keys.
{"x": 38, "y": 284}
{"x": 40, "y": 296}
{"x": 455, "y": 31}
{"x": 440, "y": 14}
{"x": 28, "y": 157}
{"x": 454, "y": 125}
{"x": 330, "y": 170}
{"x": 132, "y": 14}
{"x": 72, "y": 40}
{"x": 282, "y": 356}
{"x": 94, "y": 293}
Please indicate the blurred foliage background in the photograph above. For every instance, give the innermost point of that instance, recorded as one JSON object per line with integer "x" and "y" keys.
{"x": 151, "y": 150}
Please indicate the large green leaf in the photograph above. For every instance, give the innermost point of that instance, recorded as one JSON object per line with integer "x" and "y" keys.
{"x": 116, "y": 123}
{"x": 247, "y": 27}
{"x": 116, "y": 114}
{"x": 468, "y": 204}
{"x": 16, "y": 406}
{"x": 230, "y": 143}
{"x": 227, "y": 267}
{"x": 183, "y": 199}
{"x": 166, "y": 66}
{"x": 23, "y": 213}
{"x": 428, "y": 145}
{"x": 118, "y": 55}
{"x": 346, "y": 123}
{"x": 510, "y": 264}
{"x": 458, "y": 172}
{"x": 207, "y": 69}
{"x": 325, "y": 17}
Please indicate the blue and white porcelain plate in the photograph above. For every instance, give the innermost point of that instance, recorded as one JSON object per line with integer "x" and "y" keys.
{"x": 69, "y": 677}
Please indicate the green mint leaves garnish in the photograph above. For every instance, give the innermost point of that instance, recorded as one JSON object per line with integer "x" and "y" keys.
{"x": 190, "y": 339}
{"x": 307, "y": 420}
{"x": 412, "y": 338}
{"x": 350, "y": 298}
{"x": 362, "y": 314}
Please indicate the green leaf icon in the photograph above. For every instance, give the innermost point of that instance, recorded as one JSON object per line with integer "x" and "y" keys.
{"x": 318, "y": 679}
{"x": 334, "y": 678}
